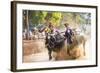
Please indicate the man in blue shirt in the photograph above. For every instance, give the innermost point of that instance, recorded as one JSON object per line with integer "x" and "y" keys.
{"x": 68, "y": 33}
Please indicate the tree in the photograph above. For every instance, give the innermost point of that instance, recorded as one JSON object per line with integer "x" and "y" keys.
{"x": 78, "y": 19}
{"x": 37, "y": 17}
{"x": 26, "y": 23}
{"x": 87, "y": 17}
{"x": 54, "y": 17}
{"x": 73, "y": 18}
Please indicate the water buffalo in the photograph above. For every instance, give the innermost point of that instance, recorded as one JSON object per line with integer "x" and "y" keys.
{"x": 54, "y": 43}
{"x": 77, "y": 48}
{"x": 74, "y": 50}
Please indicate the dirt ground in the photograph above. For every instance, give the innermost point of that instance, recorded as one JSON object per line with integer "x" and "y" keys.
{"x": 35, "y": 50}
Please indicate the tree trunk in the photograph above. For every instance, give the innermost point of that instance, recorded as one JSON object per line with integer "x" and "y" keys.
{"x": 27, "y": 25}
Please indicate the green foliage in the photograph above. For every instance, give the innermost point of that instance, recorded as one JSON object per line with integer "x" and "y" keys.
{"x": 67, "y": 17}
{"x": 54, "y": 17}
{"x": 37, "y": 17}
{"x": 75, "y": 18}
{"x": 59, "y": 18}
